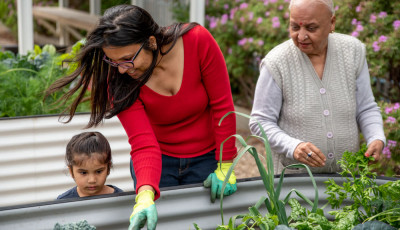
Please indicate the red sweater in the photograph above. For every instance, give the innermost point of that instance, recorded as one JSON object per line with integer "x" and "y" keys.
{"x": 184, "y": 125}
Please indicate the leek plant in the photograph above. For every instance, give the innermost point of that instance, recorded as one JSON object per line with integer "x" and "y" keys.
{"x": 276, "y": 208}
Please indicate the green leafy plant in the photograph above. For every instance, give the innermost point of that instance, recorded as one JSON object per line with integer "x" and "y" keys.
{"x": 276, "y": 208}
{"x": 369, "y": 201}
{"x": 23, "y": 80}
{"x": 379, "y": 205}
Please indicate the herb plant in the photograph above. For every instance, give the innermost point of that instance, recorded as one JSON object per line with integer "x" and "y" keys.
{"x": 373, "y": 205}
{"x": 276, "y": 208}
{"x": 370, "y": 201}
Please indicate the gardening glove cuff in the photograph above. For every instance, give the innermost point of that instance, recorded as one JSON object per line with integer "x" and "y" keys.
{"x": 144, "y": 210}
{"x": 216, "y": 179}
{"x": 222, "y": 170}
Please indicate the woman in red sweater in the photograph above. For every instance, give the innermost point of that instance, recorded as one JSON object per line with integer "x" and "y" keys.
{"x": 169, "y": 87}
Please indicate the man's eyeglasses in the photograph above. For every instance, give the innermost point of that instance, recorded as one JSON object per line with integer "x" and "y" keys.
{"x": 123, "y": 64}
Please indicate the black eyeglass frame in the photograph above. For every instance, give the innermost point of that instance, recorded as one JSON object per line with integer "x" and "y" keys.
{"x": 115, "y": 64}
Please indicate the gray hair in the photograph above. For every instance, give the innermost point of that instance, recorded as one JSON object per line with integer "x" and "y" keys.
{"x": 327, "y": 3}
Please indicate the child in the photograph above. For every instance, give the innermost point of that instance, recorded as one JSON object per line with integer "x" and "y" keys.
{"x": 88, "y": 157}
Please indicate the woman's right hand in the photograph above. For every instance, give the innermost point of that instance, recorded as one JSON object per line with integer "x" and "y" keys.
{"x": 144, "y": 210}
{"x": 309, "y": 154}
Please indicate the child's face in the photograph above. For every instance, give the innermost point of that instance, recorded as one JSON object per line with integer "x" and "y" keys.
{"x": 90, "y": 177}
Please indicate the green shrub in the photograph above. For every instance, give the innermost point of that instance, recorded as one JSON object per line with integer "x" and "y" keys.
{"x": 24, "y": 79}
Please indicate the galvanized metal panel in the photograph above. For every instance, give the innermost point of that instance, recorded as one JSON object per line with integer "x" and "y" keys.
{"x": 178, "y": 207}
{"x": 32, "y": 150}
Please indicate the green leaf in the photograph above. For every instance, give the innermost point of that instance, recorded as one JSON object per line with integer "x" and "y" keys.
{"x": 373, "y": 225}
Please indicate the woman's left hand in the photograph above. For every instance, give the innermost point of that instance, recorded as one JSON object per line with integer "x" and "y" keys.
{"x": 374, "y": 150}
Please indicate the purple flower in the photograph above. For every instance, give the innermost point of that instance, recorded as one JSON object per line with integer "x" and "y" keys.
{"x": 273, "y": 1}
{"x": 396, "y": 24}
{"x": 250, "y": 40}
{"x": 267, "y": 13}
{"x": 251, "y": 15}
{"x": 382, "y": 14}
{"x": 354, "y": 22}
{"x": 376, "y": 46}
{"x": 286, "y": 15}
{"x": 241, "y": 19}
{"x": 391, "y": 120}
{"x": 232, "y": 13}
{"x": 260, "y": 42}
{"x": 372, "y": 18}
{"x": 226, "y": 6}
{"x": 386, "y": 152}
{"x": 230, "y": 51}
{"x": 213, "y": 24}
{"x": 336, "y": 8}
{"x": 266, "y": 2}
{"x": 355, "y": 34}
{"x": 280, "y": 7}
{"x": 259, "y": 20}
{"x": 382, "y": 38}
{"x": 396, "y": 106}
{"x": 388, "y": 110}
{"x": 243, "y": 6}
{"x": 275, "y": 22}
{"x": 358, "y": 8}
{"x": 224, "y": 19}
{"x": 287, "y": 1}
{"x": 359, "y": 28}
{"x": 240, "y": 32}
{"x": 242, "y": 42}
{"x": 392, "y": 143}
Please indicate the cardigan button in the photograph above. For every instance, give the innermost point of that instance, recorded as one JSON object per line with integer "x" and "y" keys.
{"x": 330, "y": 155}
{"x": 326, "y": 112}
{"x": 322, "y": 91}
{"x": 329, "y": 134}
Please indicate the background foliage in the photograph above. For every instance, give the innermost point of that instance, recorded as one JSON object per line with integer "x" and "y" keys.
{"x": 8, "y": 11}
{"x": 247, "y": 30}
{"x": 24, "y": 79}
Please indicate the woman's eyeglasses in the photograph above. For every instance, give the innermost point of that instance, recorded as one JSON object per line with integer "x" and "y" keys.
{"x": 123, "y": 64}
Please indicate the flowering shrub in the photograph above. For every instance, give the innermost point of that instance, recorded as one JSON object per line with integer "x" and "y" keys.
{"x": 377, "y": 24}
{"x": 389, "y": 165}
{"x": 247, "y": 30}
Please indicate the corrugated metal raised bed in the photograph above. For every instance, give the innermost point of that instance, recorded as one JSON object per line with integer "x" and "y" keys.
{"x": 178, "y": 207}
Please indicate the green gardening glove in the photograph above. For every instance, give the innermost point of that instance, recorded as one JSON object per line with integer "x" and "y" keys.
{"x": 216, "y": 179}
{"x": 144, "y": 210}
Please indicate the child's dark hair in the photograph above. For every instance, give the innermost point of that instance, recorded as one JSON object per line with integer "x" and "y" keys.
{"x": 87, "y": 144}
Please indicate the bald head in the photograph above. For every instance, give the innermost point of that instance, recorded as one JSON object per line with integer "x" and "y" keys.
{"x": 327, "y": 3}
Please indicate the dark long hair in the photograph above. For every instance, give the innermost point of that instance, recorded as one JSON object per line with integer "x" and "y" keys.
{"x": 112, "y": 92}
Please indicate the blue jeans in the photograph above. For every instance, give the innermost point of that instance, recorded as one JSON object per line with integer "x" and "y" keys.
{"x": 181, "y": 171}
